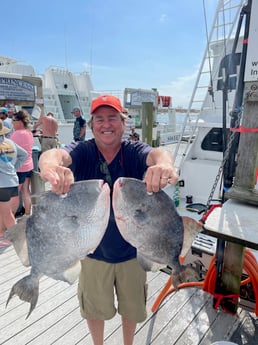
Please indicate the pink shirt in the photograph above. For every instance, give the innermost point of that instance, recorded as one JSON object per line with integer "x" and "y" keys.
{"x": 24, "y": 138}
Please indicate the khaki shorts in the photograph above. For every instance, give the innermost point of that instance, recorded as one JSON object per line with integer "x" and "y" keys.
{"x": 48, "y": 143}
{"x": 97, "y": 283}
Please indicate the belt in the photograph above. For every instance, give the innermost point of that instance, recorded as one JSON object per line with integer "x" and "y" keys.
{"x": 46, "y": 137}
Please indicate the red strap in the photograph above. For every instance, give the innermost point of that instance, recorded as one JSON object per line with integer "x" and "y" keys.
{"x": 219, "y": 298}
{"x": 206, "y": 214}
{"x": 242, "y": 129}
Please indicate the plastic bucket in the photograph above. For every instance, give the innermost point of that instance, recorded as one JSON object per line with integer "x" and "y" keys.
{"x": 223, "y": 342}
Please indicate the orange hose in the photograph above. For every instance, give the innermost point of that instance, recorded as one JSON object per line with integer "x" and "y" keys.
{"x": 250, "y": 256}
{"x": 164, "y": 292}
{"x": 252, "y": 272}
{"x": 211, "y": 282}
{"x": 168, "y": 289}
{"x": 246, "y": 281}
{"x": 208, "y": 279}
{"x": 250, "y": 265}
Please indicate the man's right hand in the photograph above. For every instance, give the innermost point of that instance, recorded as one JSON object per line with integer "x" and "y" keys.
{"x": 53, "y": 168}
{"x": 59, "y": 177}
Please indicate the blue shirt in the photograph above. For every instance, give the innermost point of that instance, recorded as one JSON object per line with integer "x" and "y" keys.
{"x": 79, "y": 123}
{"x": 130, "y": 161}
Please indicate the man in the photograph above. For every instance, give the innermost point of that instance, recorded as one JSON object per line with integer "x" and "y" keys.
{"x": 113, "y": 263}
{"x": 49, "y": 127}
{"x": 79, "y": 128}
{"x": 7, "y": 121}
{"x": 134, "y": 137}
{"x": 129, "y": 125}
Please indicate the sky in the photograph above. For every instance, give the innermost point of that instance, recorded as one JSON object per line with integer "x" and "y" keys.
{"x": 135, "y": 43}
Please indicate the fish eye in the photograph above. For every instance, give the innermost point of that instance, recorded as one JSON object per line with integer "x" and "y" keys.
{"x": 73, "y": 218}
{"x": 139, "y": 214}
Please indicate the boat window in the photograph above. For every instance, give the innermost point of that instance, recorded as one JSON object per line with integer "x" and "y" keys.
{"x": 228, "y": 72}
{"x": 213, "y": 141}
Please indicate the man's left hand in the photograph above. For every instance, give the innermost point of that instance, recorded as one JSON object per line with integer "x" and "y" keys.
{"x": 158, "y": 176}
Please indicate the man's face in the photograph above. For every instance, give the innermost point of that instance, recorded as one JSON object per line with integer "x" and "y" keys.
{"x": 107, "y": 125}
{"x": 77, "y": 113}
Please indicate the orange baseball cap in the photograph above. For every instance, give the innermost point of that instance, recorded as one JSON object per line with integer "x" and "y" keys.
{"x": 108, "y": 100}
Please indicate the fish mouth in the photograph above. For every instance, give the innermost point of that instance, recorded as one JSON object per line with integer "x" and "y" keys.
{"x": 118, "y": 185}
{"x": 103, "y": 185}
{"x": 120, "y": 182}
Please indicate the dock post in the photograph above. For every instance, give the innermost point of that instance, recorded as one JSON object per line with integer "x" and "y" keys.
{"x": 37, "y": 187}
{"x": 147, "y": 122}
{"x": 243, "y": 189}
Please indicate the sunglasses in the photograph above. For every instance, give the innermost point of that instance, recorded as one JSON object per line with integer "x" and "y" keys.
{"x": 105, "y": 171}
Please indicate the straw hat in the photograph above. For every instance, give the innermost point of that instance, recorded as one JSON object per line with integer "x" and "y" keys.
{"x": 3, "y": 130}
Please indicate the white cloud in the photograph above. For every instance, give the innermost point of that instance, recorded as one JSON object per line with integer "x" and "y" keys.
{"x": 163, "y": 18}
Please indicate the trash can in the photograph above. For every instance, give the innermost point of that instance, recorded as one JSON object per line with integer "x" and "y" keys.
{"x": 37, "y": 187}
{"x": 35, "y": 157}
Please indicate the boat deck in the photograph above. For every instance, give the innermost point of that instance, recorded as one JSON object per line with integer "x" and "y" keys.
{"x": 185, "y": 317}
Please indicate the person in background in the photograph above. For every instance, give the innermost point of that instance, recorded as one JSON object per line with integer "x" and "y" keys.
{"x": 23, "y": 137}
{"x": 113, "y": 265}
{"x": 129, "y": 125}
{"x": 79, "y": 128}
{"x": 12, "y": 157}
{"x": 134, "y": 137}
{"x": 7, "y": 121}
{"x": 49, "y": 128}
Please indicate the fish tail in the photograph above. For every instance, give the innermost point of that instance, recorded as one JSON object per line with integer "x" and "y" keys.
{"x": 191, "y": 229}
{"x": 186, "y": 274}
{"x": 27, "y": 289}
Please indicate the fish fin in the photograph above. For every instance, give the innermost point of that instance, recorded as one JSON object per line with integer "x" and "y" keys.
{"x": 149, "y": 265}
{"x": 70, "y": 274}
{"x": 191, "y": 229}
{"x": 27, "y": 289}
{"x": 17, "y": 235}
{"x": 181, "y": 259}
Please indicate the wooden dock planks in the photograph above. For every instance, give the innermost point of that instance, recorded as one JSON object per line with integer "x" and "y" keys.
{"x": 184, "y": 317}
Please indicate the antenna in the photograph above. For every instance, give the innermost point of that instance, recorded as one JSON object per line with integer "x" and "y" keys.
{"x": 65, "y": 48}
{"x": 91, "y": 48}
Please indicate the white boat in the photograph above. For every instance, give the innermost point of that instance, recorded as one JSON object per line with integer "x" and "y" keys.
{"x": 203, "y": 164}
{"x": 205, "y": 154}
{"x": 58, "y": 90}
